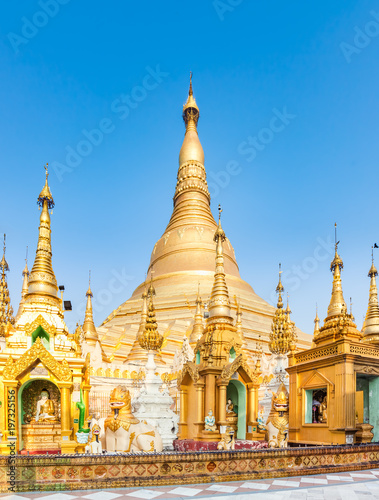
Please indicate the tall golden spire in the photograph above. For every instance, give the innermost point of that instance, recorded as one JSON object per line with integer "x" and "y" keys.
{"x": 25, "y": 277}
{"x": 24, "y": 290}
{"x": 6, "y": 310}
{"x": 219, "y": 304}
{"x": 317, "y": 323}
{"x": 191, "y": 174}
{"x": 89, "y": 329}
{"x": 198, "y": 326}
{"x": 151, "y": 339}
{"x": 42, "y": 281}
{"x": 371, "y": 323}
{"x": 239, "y": 325}
{"x": 338, "y": 323}
{"x": 282, "y": 335}
{"x": 337, "y": 302}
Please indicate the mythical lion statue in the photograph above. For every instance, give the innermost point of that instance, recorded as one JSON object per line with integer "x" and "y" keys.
{"x": 277, "y": 422}
{"x": 124, "y": 432}
{"x": 227, "y": 440}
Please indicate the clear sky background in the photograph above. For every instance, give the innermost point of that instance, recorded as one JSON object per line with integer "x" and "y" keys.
{"x": 65, "y": 71}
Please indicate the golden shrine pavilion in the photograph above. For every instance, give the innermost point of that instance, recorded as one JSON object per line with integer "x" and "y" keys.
{"x": 41, "y": 364}
{"x": 334, "y": 386}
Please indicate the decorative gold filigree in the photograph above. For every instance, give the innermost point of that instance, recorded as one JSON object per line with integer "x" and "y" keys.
{"x": 192, "y": 370}
{"x": 40, "y": 321}
{"x": 13, "y": 369}
{"x": 231, "y": 368}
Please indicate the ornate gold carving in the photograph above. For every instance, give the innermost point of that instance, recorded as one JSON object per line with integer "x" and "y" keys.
{"x": 40, "y": 321}
{"x": 192, "y": 370}
{"x": 315, "y": 354}
{"x": 113, "y": 425}
{"x": 231, "y": 368}
{"x": 364, "y": 350}
{"x": 13, "y": 369}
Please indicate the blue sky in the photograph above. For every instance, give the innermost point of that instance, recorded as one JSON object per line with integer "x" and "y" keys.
{"x": 66, "y": 66}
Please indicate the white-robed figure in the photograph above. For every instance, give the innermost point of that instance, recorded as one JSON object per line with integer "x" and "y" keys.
{"x": 45, "y": 408}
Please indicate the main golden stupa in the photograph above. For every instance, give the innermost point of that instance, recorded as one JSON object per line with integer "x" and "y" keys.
{"x": 182, "y": 262}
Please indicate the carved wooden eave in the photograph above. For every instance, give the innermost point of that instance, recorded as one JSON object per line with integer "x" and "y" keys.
{"x": 40, "y": 321}
{"x": 192, "y": 370}
{"x": 38, "y": 352}
{"x": 240, "y": 365}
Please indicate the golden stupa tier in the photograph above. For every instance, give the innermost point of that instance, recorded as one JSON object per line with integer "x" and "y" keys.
{"x": 182, "y": 259}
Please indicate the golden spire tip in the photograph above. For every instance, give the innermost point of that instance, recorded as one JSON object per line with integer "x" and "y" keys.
{"x": 190, "y": 87}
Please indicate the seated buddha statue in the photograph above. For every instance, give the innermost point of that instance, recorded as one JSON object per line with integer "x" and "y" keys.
{"x": 45, "y": 408}
{"x": 230, "y": 409}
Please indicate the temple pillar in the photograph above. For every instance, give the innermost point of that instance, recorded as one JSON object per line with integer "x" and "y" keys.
{"x": 222, "y": 388}
{"x": 210, "y": 386}
{"x": 252, "y": 411}
{"x": 199, "y": 406}
{"x": 86, "y": 390}
{"x": 68, "y": 445}
{"x": 183, "y": 426}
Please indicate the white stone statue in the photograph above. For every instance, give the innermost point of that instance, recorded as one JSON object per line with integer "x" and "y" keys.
{"x": 94, "y": 446}
{"x": 210, "y": 422}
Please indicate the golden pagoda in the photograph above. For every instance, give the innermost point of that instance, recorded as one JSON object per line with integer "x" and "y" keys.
{"x": 219, "y": 386}
{"x": 334, "y": 386}
{"x": 41, "y": 365}
{"x": 182, "y": 258}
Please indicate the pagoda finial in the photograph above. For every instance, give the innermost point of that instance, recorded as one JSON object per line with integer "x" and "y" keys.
{"x": 45, "y": 194}
{"x": 150, "y": 339}
{"x": 42, "y": 280}
{"x": 282, "y": 335}
{"x": 371, "y": 323}
{"x": 24, "y": 289}
{"x": 337, "y": 302}
{"x": 198, "y": 326}
{"x": 191, "y": 110}
{"x": 280, "y": 289}
{"x": 89, "y": 329}
{"x": 151, "y": 289}
{"x": 316, "y": 322}
{"x": 219, "y": 304}
{"x": 3, "y": 263}
{"x": 190, "y": 92}
{"x": 25, "y": 274}
{"x": 6, "y": 310}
